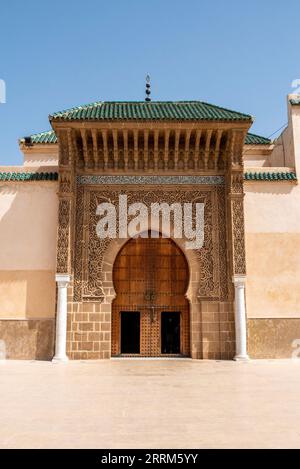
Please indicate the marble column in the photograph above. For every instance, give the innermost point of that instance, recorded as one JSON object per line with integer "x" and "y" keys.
{"x": 240, "y": 319}
{"x": 62, "y": 281}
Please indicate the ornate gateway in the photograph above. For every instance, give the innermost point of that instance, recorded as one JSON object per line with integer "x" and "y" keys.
{"x": 150, "y": 297}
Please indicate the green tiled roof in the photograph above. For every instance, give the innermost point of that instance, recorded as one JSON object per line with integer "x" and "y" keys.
{"x": 15, "y": 176}
{"x": 50, "y": 137}
{"x": 154, "y": 110}
{"x": 261, "y": 176}
{"x": 295, "y": 101}
{"x": 42, "y": 137}
{"x": 253, "y": 139}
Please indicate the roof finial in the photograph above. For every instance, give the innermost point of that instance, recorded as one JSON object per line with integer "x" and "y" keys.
{"x": 148, "y": 90}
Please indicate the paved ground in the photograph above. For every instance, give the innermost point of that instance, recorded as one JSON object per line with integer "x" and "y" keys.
{"x": 150, "y": 404}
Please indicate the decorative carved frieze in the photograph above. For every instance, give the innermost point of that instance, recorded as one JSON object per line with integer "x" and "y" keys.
{"x": 235, "y": 203}
{"x": 90, "y": 250}
{"x": 63, "y": 236}
{"x": 239, "y": 257}
{"x": 144, "y": 149}
{"x": 66, "y": 195}
{"x": 237, "y": 182}
{"x": 150, "y": 180}
{"x": 238, "y": 146}
{"x": 65, "y": 182}
{"x": 63, "y": 147}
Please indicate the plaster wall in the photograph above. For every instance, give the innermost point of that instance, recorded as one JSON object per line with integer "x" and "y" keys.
{"x": 272, "y": 225}
{"x": 28, "y": 226}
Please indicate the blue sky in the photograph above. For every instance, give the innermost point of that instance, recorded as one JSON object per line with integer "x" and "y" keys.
{"x": 58, "y": 54}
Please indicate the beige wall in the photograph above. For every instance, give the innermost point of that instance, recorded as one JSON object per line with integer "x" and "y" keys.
{"x": 283, "y": 152}
{"x": 272, "y": 224}
{"x": 28, "y": 224}
{"x": 40, "y": 155}
{"x": 257, "y": 155}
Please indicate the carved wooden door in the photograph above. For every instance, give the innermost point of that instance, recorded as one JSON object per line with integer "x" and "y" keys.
{"x": 150, "y": 278}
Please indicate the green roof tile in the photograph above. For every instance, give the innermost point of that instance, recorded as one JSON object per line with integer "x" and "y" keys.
{"x": 295, "y": 101}
{"x": 154, "y": 110}
{"x": 263, "y": 176}
{"x": 53, "y": 176}
{"x": 15, "y": 176}
{"x": 253, "y": 139}
{"x": 42, "y": 137}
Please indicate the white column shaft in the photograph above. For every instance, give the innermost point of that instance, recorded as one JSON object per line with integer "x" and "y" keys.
{"x": 240, "y": 320}
{"x": 61, "y": 319}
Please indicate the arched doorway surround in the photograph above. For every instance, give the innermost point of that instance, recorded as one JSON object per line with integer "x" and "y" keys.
{"x": 192, "y": 304}
{"x": 150, "y": 314}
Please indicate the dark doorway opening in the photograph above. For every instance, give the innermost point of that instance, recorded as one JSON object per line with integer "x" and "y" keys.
{"x": 130, "y": 332}
{"x": 170, "y": 332}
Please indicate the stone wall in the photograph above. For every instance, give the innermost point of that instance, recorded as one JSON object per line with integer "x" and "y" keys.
{"x": 27, "y": 339}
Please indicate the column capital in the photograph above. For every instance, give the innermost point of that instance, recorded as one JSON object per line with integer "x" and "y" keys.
{"x": 62, "y": 279}
{"x": 239, "y": 280}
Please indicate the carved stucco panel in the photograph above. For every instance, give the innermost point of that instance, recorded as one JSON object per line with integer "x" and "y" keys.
{"x": 64, "y": 215}
{"x": 239, "y": 257}
{"x": 90, "y": 250}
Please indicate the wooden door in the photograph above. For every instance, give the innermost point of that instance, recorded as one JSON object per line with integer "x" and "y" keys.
{"x": 150, "y": 277}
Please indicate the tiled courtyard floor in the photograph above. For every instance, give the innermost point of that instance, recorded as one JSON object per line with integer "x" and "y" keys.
{"x": 150, "y": 404}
